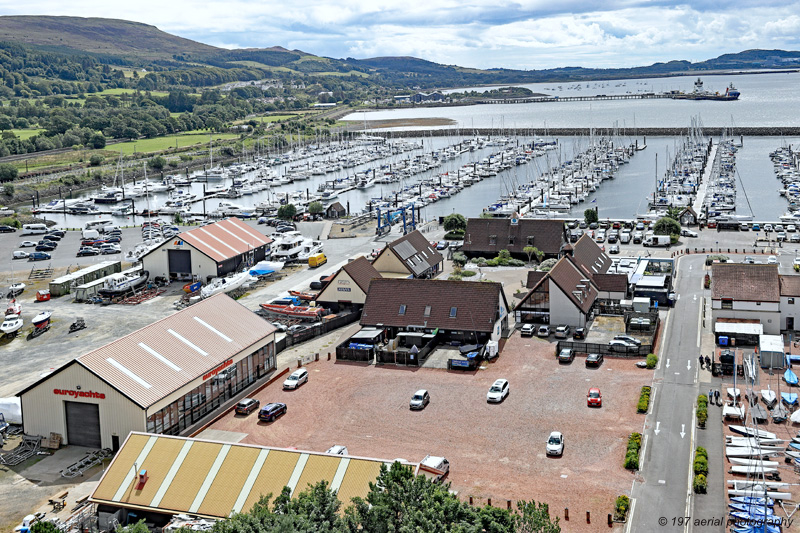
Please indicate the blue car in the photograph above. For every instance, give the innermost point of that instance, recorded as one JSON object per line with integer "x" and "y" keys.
{"x": 38, "y": 256}
{"x": 271, "y": 411}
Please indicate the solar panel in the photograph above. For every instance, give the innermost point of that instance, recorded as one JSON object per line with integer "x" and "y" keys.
{"x": 405, "y": 249}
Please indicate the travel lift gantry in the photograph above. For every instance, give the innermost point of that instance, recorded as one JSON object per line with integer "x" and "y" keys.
{"x": 385, "y": 222}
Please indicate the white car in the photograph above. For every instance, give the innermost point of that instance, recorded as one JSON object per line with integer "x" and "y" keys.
{"x": 527, "y": 330}
{"x": 791, "y": 228}
{"x": 19, "y": 254}
{"x": 337, "y": 449}
{"x": 27, "y": 244}
{"x": 772, "y": 260}
{"x": 498, "y": 391}
{"x": 555, "y": 443}
{"x": 619, "y": 345}
{"x": 688, "y": 233}
{"x": 297, "y": 378}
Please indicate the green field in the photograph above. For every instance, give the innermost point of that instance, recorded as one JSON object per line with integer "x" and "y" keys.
{"x": 256, "y": 64}
{"x": 351, "y": 73}
{"x": 163, "y": 143}
{"x": 118, "y": 91}
{"x": 26, "y": 133}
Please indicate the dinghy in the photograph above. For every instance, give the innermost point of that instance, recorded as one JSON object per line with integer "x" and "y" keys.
{"x": 752, "y": 470}
{"x": 759, "y": 413}
{"x": 779, "y": 414}
{"x": 747, "y": 451}
{"x": 795, "y": 418}
{"x": 732, "y": 411}
{"x": 733, "y": 392}
{"x": 790, "y": 377}
{"x": 753, "y": 501}
{"x": 776, "y": 495}
{"x": 752, "y": 441}
{"x": 752, "y": 462}
{"x": 752, "y": 432}
{"x": 789, "y": 398}
{"x": 769, "y": 397}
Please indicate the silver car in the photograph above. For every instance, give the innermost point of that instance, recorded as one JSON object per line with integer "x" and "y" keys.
{"x": 297, "y": 378}
{"x": 420, "y": 399}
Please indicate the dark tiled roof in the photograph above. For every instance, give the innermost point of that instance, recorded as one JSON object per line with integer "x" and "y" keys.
{"x": 476, "y": 303}
{"x": 533, "y": 278}
{"x": 568, "y": 277}
{"x": 362, "y": 272}
{"x": 590, "y": 257}
{"x": 415, "y": 252}
{"x": 548, "y": 235}
{"x": 790, "y": 285}
{"x": 336, "y": 206}
{"x": 610, "y": 282}
{"x": 745, "y": 282}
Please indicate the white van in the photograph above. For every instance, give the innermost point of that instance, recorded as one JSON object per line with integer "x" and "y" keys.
{"x": 90, "y": 234}
{"x": 34, "y": 229}
{"x": 98, "y": 224}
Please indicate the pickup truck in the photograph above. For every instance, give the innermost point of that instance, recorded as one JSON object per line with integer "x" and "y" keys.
{"x": 433, "y": 467}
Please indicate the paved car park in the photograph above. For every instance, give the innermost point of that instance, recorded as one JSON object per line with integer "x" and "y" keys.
{"x": 495, "y": 450}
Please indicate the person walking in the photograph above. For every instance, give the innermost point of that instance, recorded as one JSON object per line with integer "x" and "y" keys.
{"x": 716, "y": 396}
{"x": 710, "y": 394}
{"x": 701, "y": 360}
{"x": 708, "y": 362}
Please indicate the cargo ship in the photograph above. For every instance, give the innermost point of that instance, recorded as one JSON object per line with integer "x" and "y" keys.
{"x": 731, "y": 93}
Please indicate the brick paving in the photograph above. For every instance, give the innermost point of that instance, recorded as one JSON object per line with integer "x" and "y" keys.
{"x": 495, "y": 451}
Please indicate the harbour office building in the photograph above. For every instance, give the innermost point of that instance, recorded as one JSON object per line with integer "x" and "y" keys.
{"x": 162, "y": 378}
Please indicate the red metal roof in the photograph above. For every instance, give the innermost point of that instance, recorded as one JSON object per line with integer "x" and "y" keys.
{"x": 225, "y": 239}
{"x": 152, "y": 362}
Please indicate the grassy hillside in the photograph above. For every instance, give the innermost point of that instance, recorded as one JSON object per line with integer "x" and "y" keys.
{"x": 100, "y": 36}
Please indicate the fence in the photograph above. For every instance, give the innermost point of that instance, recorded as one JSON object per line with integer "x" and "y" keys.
{"x": 316, "y": 330}
{"x": 403, "y": 356}
{"x": 605, "y": 349}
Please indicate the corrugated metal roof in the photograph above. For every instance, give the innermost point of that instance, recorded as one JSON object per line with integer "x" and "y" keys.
{"x": 150, "y": 363}
{"x": 225, "y": 239}
{"x": 216, "y": 478}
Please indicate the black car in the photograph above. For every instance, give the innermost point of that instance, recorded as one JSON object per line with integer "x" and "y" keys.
{"x": 594, "y": 359}
{"x": 247, "y": 406}
{"x": 271, "y": 411}
{"x": 579, "y": 333}
{"x": 284, "y": 229}
{"x": 60, "y": 233}
{"x": 7, "y": 229}
{"x": 38, "y": 256}
{"x": 45, "y": 248}
{"x": 87, "y": 251}
{"x": 51, "y": 237}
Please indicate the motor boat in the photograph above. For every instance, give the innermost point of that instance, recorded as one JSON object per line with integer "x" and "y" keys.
{"x": 219, "y": 285}
{"x": 11, "y": 324}
{"x": 121, "y": 283}
{"x": 16, "y": 289}
{"x": 42, "y": 320}
{"x": 14, "y": 308}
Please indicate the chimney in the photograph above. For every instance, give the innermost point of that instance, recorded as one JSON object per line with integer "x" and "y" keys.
{"x": 141, "y": 479}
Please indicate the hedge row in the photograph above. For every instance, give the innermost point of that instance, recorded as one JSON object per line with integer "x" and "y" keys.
{"x": 644, "y": 400}
{"x": 702, "y": 410}
{"x": 700, "y": 483}
{"x": 621, "y": 507}
{"x": 632, "y": 453}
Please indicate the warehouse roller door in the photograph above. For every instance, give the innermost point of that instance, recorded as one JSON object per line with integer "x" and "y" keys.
{"x": 180, "y": 262}
{"x": 83, "y": 424}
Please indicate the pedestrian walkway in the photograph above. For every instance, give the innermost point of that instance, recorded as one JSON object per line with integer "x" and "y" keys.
{"x": 708, "y": 174}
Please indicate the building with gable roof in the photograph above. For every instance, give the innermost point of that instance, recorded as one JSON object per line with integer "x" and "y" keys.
{"x": 348, "y": 288}
{"x": 487, "y": 236}
{"x": 564, "y": 295}
{"x": 209, "y": 251}
{"x": 747, "y": 291}
{"x": 410, "y": 256}
{"x": 162, "y": 378}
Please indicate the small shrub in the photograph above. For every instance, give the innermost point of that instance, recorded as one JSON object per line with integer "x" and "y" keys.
{"x": 10, "y": 221}
{"x": 631, "y": 461}
{"x": 455, "y": 276}
{"x": 547, "y": 264}
{"x": 8, "y": 189}
{"x": 96, "y": 160}
{"x": 459, "y": 259}
{"x": 701, "y": 466}
{"x": 492, "y": 262}
{"x": 701, "y": 452}
{"x": 702, "y": 412}
{"x": 632, "y": 453}
{"x": 621, "y": 507}
{"x": 467, "y": 273}
{"x": 644, "y": 400}
{"x": 652, "y": 360}
{"x": 516, "y": 262}
{"x": 700, "y": 485}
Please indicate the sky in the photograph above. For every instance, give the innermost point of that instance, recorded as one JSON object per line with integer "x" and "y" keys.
{"x": 522, "y": 34}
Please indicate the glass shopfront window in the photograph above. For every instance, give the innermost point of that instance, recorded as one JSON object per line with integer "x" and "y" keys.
{"x": 208, "y": 396}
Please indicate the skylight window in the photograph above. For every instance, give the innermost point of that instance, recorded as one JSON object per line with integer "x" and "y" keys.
{"x": 453, "y": 311}
{"x": 402, "y": 310}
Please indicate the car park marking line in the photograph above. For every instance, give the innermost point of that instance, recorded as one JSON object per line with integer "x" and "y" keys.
{"x": 173, "y": 471}
{"x": 128, "y": 479}
{"x": 652, "y": 400}
{"x": 633, "y": 506}
{"x": 212, "y": 473}
{"x": 338, "y": 477}
{"x": 298, "y": 471}
{"x": 250, "y": 481}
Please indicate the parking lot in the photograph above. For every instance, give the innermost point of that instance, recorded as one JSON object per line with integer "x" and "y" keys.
{"x": 496, "y": 451}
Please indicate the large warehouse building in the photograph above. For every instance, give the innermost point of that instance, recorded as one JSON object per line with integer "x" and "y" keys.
{"x": 161, "y": 379}
{"x": 208, "y": 251}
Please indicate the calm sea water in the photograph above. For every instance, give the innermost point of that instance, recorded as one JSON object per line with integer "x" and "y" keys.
{"x": 766, "y": 100}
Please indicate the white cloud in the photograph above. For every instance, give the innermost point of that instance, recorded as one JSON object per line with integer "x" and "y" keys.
{"x": 473, "y": 33}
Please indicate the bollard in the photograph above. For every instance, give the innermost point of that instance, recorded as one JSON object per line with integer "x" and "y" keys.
{"x": 588, "y": 517}
{"x": 470, "y": 500}
{"x": 566, "y": 514}
{"x": 489, "y": 502}
{"x": 508, "y": 504}
{"x": 299, "y": 362}
{"x": 610, "y": 521}
{"x": 329, "y": 356}
{"x": 316, "y": 356}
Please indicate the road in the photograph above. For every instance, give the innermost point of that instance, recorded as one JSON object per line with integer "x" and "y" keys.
{"x": 669, "y": 429}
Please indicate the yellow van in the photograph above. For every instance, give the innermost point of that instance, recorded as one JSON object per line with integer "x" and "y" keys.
{"x": 317, "y": 260}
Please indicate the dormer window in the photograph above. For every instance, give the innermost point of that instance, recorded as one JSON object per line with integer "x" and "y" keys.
{"x": 427, "y": 310}
{"x": 402, "y": 310}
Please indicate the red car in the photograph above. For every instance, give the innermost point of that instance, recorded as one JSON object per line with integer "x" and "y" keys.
{"x": 594, "y": 398}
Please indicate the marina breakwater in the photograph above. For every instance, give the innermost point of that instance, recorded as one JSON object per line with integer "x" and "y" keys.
{"x": 709, "y": 131}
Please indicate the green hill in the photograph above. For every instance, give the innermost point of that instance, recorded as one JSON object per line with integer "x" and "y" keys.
{"x": 100, "y": 36}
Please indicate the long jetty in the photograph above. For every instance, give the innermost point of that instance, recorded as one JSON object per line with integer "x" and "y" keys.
{"x": 587, "y": 98}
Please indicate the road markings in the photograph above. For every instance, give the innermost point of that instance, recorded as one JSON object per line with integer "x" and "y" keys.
{"x": 662, "y": 481}
{"x": 667, "y": 363}
{"x": 699, "y": 322}
{"x": 691, "y": 472}
{"x": 689, "y": 364}
{"x": 683, "y": 432}
{"x": 657, "y": 430}
{"x": 694, "y": 297}
{"x": 630, "y": 514}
